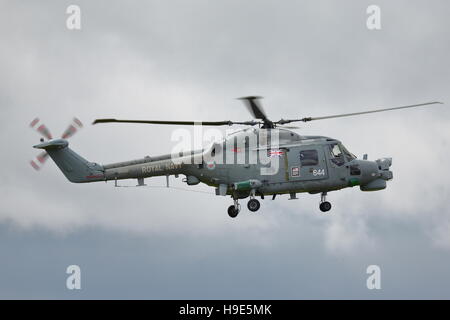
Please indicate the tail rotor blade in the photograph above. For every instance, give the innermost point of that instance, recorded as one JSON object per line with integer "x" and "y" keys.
{"x": 42, "y": 157}
{"x": 35, "y": 165}
{"x": 41, "y": 128}
{"x": 73, "y": 127}
{"x": 77, "y": 122}
{"x": 39, "y": 161}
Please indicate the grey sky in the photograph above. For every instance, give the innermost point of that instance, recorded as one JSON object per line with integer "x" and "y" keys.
{"x": 189, "y": 60}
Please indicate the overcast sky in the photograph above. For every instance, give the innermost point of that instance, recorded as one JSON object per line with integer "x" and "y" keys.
{"x": 189, "y": 60}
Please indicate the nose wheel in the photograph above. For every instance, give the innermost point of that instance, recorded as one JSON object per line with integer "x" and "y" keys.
{"x": 324, "y": 204}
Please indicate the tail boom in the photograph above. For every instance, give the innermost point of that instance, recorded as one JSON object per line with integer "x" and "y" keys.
{"x": 79, "y": 170}
{"x": 74, "y": 167}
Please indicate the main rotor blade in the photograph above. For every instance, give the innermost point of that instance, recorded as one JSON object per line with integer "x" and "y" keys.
{"x": 254, "y": 107}
{"x": 289, "y": 127}
{"x": 185, "y": 123}
{"x": 357, "y": 113}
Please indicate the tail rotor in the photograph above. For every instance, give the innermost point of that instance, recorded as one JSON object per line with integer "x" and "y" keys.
{"x": 41, "y": 128}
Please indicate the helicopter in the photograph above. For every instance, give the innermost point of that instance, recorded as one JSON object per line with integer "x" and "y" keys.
{"x": 266, "y": 158}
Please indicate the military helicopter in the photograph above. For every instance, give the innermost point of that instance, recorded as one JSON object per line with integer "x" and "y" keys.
{"x": 274, "y": 160}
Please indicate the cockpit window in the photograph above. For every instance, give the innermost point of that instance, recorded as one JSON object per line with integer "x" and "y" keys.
{"x": 337, "y": 156}
{"x": 350, "y": 156}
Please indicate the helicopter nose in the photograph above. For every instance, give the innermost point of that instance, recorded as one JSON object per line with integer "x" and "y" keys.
{"x": 376, "y": 174}
{"x": 383, "y": 168}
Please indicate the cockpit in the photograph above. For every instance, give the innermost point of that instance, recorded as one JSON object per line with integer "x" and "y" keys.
{"x": 339, "y": 154}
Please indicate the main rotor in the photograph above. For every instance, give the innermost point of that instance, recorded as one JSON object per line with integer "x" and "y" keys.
{"x": 255, "y": 108}
{"x": 260, "y": 118}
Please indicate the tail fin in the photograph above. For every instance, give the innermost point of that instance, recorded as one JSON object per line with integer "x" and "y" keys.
{"x": 75, "y": 168}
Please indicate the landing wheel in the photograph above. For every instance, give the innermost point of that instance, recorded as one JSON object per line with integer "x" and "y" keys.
{"x": 325, "y": 206}
{"x": 232, "y": 211}
{"x": 253, "y": 205}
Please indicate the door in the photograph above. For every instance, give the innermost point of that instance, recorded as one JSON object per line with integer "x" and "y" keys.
{"x": 274, "y": 167}
{"x": 307, "y": 163}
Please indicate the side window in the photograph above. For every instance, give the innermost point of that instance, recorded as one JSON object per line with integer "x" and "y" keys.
{"x": 309, "y": 158}
{"x": 336, "y": 154}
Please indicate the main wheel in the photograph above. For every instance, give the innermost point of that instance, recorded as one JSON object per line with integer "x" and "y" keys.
{"x": 232, "y": 212}
{"x": 325, "y": 206}
{"x": 253, "y": 205}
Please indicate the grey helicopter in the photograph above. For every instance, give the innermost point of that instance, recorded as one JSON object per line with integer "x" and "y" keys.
{"x": 266, "y": 158}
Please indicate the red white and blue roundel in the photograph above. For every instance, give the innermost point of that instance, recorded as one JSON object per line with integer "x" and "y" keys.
{"x": 275, "y": 153}
{"x": 211, "y": 165}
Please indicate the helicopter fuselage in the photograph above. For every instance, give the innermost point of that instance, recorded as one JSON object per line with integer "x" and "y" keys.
{"x": 302, "y": 164}
{"x": 277, "y": 161}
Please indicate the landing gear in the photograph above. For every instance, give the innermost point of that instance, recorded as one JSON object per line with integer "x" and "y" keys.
{"x": 324, "y": 204}
{"x": 253, "y": 205}
{"x": 233, "y": 210}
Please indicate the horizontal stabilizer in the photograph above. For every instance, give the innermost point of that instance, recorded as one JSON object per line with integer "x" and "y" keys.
{"x": 52, "y": 144}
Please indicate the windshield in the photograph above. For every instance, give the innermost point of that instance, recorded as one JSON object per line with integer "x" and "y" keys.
{"x": 350, "y": 156}
{"x": 336, "y": 154}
